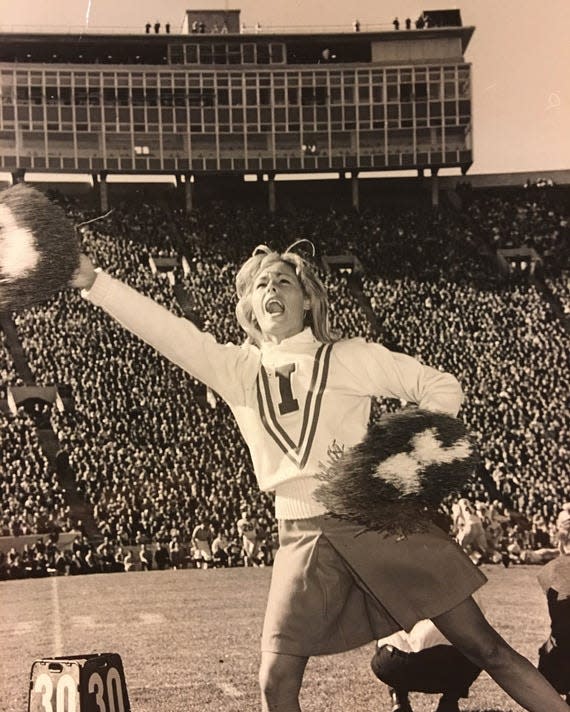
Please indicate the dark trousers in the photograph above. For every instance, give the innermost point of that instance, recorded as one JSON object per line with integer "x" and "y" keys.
{"x": 554, "y": 664}
{"x": 439, "y": 669}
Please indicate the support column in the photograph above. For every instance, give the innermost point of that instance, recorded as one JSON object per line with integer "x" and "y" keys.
{"x": 19, "y": 176}
{"x": 271, "y": 193}
{"x": 103, "y": 192}
{"x": 188, "y": 193}
{"x": 434, "y": 188}
{"x": 355, "y": 192}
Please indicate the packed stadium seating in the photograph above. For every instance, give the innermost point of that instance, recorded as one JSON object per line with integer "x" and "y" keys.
{"x": 153, "y": 452}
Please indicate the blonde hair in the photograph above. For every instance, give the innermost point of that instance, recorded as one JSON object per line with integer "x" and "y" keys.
{"x": 317, "y": 316}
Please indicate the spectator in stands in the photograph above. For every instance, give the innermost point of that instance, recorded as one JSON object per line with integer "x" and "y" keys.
{"x": 235, "y": 549}
{"x": 563, "y": 529}
{"x": 175, "y": 552}
{"x": 201, "y": 542}
{"x": 249, "y": 541}
{"x": 161, "y": 557}
{"x": 220, "y": 549}
{"x": 145, "y": 558}
{"x": 471, "y": 535}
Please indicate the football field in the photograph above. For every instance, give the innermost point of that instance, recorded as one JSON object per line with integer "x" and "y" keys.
{"x": 189, "y": 640}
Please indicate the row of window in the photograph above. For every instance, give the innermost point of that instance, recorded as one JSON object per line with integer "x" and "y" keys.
{"x": 125, "y": 120}
{"x": 227, "y": 53}
{"x": 373, "y": 160}
{"x": 119, "y": 85}
{"x": 68, "y": 143}
{"x": 205, "y": 96}
{"x": 379, "y": 126}
{"x": 152, "y": 77}
{"x": 238, "y": 115}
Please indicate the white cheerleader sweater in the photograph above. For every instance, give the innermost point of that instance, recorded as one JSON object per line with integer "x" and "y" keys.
{"x": 291, "y": 400}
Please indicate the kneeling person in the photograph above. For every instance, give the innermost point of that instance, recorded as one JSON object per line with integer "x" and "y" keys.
{"x": 423, "y": 660}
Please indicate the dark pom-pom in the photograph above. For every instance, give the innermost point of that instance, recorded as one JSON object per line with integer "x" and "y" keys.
{"x": 396, "y": 478}
{"x": 39, "y": 248}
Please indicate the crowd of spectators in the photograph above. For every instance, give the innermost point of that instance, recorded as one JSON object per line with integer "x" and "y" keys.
{"x": 216, "y": 547}
{"x": 154, "y": 453}
{"x": 33, "y": 501}
{"x": 491, "y": 533}
{"x": 536, "y": 217}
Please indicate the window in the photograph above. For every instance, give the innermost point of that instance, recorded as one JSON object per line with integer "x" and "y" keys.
{"x": 406, "y": 92}
{"x": 277, "y": 53}
{"x": 420, "y": 90}
{"x": 314, "y": 95}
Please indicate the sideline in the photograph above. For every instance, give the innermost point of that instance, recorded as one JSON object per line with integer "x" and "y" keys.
{"x": 57, "y": 639}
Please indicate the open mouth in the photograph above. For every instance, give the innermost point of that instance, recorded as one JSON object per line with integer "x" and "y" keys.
{"x": 274, "y": 306}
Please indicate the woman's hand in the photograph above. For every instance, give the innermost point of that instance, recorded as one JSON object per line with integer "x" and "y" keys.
{"x": 85, "y": 274}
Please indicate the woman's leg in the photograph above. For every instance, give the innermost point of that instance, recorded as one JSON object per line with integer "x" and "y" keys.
{"x": 466, "y": 628}
{"x": 280, "y": 678}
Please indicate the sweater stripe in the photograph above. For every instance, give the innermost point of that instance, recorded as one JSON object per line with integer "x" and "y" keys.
{"x": 267, "y": 427}
{"x": 315, "y": 420}
{"x": 309, "y": 398}
{"x": 299, "y": 453}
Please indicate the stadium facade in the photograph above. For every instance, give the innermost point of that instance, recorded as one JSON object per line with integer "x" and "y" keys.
{"x": 233, "y": 102}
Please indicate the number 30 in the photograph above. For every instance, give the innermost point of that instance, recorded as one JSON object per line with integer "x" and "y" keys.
{"x": 65, "y": 684}
{"x": 66, "y": 692}
{"x": 114, "y": 691}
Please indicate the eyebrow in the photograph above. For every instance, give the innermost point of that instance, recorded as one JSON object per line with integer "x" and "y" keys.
{"x": 277, "y": 274}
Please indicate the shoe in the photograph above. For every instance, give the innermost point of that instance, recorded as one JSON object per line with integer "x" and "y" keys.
{"x": 400, "y": 702}
{"x": 448, "y": 704}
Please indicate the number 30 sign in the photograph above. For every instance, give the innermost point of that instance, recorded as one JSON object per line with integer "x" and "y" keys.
{"x": 79, "y": 683}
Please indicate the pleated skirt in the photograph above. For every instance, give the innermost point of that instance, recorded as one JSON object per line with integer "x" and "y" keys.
{"x": 337, "y": 585}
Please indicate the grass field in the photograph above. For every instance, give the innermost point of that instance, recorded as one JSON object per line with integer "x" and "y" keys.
{"x": 189, "y": 640}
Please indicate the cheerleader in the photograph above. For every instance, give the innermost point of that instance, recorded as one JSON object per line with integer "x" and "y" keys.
{"x": 294, "y": 389}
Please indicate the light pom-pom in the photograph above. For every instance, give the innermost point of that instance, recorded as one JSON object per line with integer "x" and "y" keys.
{"x": 396, "y": 478}
{"x": 39, "y": 248}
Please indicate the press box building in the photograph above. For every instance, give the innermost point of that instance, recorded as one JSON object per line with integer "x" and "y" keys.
{"x": 214, "y": 99}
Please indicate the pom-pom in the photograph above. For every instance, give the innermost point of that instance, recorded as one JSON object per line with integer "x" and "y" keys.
{"x": 39, "y": 248}
{"x": 396, "y": 478}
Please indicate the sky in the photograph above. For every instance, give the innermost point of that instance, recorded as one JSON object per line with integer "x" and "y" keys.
{"x": 520, "y": 55}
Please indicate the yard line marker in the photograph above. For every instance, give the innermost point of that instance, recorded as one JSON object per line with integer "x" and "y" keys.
{"x": 23, "y": 627}
{"x": 228, "y": 689}
{"x": 57, "y": 640}
{"x": 83, "y": 621}
{"x": 151, "y": 618}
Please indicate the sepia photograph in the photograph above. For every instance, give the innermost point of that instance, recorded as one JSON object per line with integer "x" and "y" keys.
{"x": 284, "y": 356}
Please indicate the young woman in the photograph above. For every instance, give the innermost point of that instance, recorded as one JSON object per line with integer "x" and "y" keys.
{"x": 293, "y": 390}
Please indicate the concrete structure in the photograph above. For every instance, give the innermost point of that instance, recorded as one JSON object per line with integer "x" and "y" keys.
{"x": 232, "y": 103}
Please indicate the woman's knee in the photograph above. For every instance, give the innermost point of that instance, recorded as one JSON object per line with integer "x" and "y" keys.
{"x": 468, "y": 630}
{"x": 281, "y": 675}
{"x": 486, "y": 649}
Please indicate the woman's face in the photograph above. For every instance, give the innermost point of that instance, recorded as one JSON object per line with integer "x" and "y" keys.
{"x": 278, "y": 302}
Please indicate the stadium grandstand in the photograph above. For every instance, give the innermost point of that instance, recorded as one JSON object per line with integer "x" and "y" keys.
{"x": 210, "y": 102}
{"x": 107, "y": 449}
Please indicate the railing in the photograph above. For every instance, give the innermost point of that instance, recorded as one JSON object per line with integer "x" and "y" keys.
{"x": 140, "y": 30}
